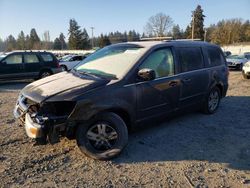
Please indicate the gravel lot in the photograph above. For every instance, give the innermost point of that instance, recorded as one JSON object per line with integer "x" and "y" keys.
{"x": 192, "y": 150}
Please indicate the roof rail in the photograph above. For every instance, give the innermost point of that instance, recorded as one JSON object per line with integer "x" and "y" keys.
{"x": 186, "y": 39}
{"x": 156, "y": 38}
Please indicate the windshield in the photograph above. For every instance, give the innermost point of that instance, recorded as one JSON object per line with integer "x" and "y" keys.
{"x": 66, "y": 58}
{"x": 235, "y": 57}
{"x": 112, "y": 61}
{"x": 2, "y": 56}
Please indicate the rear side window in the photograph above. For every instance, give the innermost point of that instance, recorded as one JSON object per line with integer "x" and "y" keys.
{"x": 215, "y": 58}
{"x": 31, "y": 58}
{"x": 14, "y": 59}
{"x": 190, "y": 58}
{"x": 47, "y": 57}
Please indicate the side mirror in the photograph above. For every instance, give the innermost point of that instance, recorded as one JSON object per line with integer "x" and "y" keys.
{"x": 146, "y": 74}
{"x": 3, "y": 63}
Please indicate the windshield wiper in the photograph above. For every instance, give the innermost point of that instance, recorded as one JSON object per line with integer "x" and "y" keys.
{"x": 87, "y": 73}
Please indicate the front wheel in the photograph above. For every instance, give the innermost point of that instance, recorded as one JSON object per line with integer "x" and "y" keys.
{"x": 104, "y": 138}
{"x": 212, "y": 101}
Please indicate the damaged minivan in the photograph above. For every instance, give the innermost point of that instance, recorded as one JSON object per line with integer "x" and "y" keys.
{"x": 119, "y": 87}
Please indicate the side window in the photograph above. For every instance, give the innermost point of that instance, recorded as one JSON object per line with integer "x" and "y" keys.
{"x": 190, "y": 58}
{"x": 47, "y": 57}
{"x": 161, "y": 61}
{"x": 14, "y": 59}
{"x": 30, "y": 58}
{"x": 215, "y": 58}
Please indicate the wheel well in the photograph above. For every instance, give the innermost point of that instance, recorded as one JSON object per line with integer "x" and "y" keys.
{"x": 220, "y": 88}
{"x": 123, "y": 114}
{"x": 66, "y": 68}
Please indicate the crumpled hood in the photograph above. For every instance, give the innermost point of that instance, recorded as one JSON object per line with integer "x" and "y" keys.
{"x": 66, "y": 85}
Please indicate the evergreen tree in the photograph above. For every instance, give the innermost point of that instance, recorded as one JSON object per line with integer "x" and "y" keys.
{"x": 57, "y": 44}
{"x": 198, "y": 23}
{"x": 34, "y": 40}
{"x": 62, "y": 41}
{"x": 75, "y": 35}
{"x": 27, "y": 42}
{"x": 85, "y": 42}
{"x": 176, "y": 32}
{"x": 21, "y": 41}
{"x": 11, "y": 43}
{"x": 103, "y": 41}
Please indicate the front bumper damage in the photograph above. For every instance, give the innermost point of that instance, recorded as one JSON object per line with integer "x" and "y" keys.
{"x": 43, "y": 121}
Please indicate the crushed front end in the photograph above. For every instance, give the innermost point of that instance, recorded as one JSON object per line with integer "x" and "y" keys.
{"x": 46, "y": 120}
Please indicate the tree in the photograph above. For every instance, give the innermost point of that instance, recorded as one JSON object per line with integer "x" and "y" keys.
{"x": 21, "y": 41}
{"x": 103, "y": 41}
{"x": 228, "y": 32}
{"x": 133, "y": 36}
{"x": 57, "y": 44}
{"x": 46, "y": 40}
{"x": 11, "y": 43}
{"x": 62, "y": 41}
{"x": 197, "y": 23}
{"x": 176, "y": 32}
{"x": 85, "y": 42}
{"x": 75, "y": 35}
{"x": 158, "y": 25}
{"x": 34, "y": 40}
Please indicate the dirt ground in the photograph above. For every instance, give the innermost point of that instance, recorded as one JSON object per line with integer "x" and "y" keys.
{"x": 192, "y": 150}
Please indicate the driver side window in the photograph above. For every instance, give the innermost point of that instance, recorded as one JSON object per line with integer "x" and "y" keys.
{"x": 161, "y": 61}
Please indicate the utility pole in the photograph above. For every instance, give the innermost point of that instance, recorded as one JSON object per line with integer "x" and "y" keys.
{"x": 205, "y": 34}
{"x": 193, "y": 26}
{"x": 92, "y": 41}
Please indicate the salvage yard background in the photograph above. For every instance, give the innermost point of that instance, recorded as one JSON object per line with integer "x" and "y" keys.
{"x": 194, "y": 150}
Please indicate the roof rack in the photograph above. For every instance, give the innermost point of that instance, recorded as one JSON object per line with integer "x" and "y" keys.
{"x": 156, "y": 38}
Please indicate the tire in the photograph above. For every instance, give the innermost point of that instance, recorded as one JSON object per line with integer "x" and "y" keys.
{"x": 64, "y": 68}
{"x": 245, "y": 76}
{"x": 45, "y": 73}
{"x": 103, "y": 138}
{"x": 212, "y": 101}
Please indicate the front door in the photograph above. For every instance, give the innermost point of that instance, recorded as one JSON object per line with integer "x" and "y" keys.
{"x": 12, "y": 67}
{"x": 158, "y": 96}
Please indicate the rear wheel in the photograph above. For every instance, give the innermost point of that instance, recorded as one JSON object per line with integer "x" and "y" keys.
{"x": 64, "y": 68}
{"x": 212, "y": 101}
{"x": 104, "y": 138}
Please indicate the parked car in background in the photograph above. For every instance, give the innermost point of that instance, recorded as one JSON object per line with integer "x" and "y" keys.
{"x": 227, "y": 53}
{"x": 246, "y": 70}
{"x": 247, "y": 55}
{"x": 28, "y": 65}
{"x": 236, "y": 61}
{"x": 119, "y": 87}
{"x": 70, "y": 61}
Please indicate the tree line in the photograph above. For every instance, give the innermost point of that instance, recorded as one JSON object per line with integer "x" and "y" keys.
{"x": 225, "y": 32}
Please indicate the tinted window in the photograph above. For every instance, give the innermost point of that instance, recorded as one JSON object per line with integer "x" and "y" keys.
{"x": 47, "y": 57}
{"x": 190, "y": 58}
{"x": 214, "y": 57}
{"x": 31, "y": 58}
{"x": 161, "y": 61}
{"x": 14, "y": 59}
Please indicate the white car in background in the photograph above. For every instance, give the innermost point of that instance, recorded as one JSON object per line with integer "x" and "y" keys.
{"x": 236, "y": 61}
{"x": 246, "y": 70}
{"x": 70, "y": 61}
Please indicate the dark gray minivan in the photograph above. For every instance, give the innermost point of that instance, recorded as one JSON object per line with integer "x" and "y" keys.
{"x": 120, "y": 86}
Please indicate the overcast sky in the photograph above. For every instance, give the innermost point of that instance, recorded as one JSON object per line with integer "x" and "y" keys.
{"x": 109, "y": 15}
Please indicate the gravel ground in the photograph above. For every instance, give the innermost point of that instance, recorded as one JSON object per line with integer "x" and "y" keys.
{"x": 192, "y": 150}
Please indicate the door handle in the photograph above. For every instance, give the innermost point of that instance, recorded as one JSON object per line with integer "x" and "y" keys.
{"x": 173, "y": 83}
{"x": 186, "y": 80}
